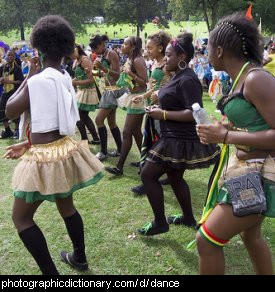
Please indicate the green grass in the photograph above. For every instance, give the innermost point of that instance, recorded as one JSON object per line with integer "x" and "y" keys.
{"x": 199, "y": 29}
{"x": 111, "y": 213}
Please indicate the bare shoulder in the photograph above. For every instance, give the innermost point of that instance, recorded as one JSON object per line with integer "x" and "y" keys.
{"x": 259, "y": 82}
{"x": 139, "y": 61}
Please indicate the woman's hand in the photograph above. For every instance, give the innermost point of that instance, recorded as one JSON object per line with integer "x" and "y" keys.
{"x": 154, "y": 97}
{"x": 212, "y": 134}
{"x": 98, "y": 64}
{"x": 16, "y": 151}
{"x": 156, "y": 113}
{"x": 137, "y": 99}
{"x": 34, "y": 67}
{"x": 127, "y": 70}
{"x": 75, "y": 82}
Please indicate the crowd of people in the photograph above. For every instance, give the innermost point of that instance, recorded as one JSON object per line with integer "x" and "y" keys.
{"x": 64, "y": 84}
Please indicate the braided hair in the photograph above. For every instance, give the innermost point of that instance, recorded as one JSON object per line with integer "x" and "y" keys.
{"x": 161, "y": 39}
{"x": 240, "y": 36}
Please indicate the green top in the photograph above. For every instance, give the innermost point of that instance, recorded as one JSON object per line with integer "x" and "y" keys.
{"x": 80, "y": 74}
{"x": 244, "y": 115}
{"x": 158, "y": 75}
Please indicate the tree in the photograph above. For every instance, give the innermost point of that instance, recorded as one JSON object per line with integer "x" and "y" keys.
{"x": 17, "y": 14}
{"x": 212, "y": 10}
{"x": 135, "y": 12}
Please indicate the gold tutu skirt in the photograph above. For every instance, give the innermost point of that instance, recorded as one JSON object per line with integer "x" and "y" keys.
{"x": 87, "y": 99}
{"x": 126, "y": 103}
{"x": 55, "y": 170}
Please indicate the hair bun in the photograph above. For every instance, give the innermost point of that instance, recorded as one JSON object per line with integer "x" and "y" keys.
{"x": 186, "y": 38}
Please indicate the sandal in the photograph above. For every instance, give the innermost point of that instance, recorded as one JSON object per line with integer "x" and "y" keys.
{"x": 68, "y": 258}
{"x": 180, "y": 220}
{"x": 114, "y": 153}
{"x": 151, "y": 229}
{"x": 114, "y": 170}
{"x": 94, "y": 142}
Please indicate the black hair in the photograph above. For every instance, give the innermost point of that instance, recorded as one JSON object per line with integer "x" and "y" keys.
{"x": 162, "y": 39}
{"x": 240, "y": 36}
{"x": 81, "y": 52}
{"x": 98, "y": 40}
{"x": 137, "y": 43}
{"x": 185, "y": 46}
{"x": 53, "y": 36}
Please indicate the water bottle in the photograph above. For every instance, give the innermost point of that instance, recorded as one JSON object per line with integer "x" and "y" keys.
{"x": 200, "y": 115}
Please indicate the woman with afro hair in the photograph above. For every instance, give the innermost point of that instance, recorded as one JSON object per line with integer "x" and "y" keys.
{"x": 52, "y": 165}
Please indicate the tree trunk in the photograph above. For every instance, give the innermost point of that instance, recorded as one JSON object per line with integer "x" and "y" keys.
{"x": 206, "y": 15}
{"x": 22, "y": 30}
{"x": 138, "y": 30}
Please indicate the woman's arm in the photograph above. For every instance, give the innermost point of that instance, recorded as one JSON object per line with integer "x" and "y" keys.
{"x": 87, "y": 65}
{"x": 178, "y": 116}
{"x": 141, "y": 77}
{"x": 259, "y": 90}
{"x": 115, "y": 67}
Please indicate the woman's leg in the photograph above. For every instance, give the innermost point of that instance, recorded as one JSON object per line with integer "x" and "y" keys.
{"x": 222, "y": 225}
{"x": 102, "y": 130}
{"x": 32, "y": 236}
{"x": 82, "y": 129}
{"x": 132, "y": 126}
{"x": 84, "y": 116}
{"x": 138, "y": 134}
{"x": 258, "y": 250}
{"x": 75, "y": 228}
{"x": 182, "y": 192}
{"x": 114, "y": 129}
{"x": 150, "y": 175}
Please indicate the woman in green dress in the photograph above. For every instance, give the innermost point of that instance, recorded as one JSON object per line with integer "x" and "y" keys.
{"x": 87, "y": 97}
{"x": 108, "y": 66}
{"x": 235, "y": 47}
{"x": 133, "y": 79}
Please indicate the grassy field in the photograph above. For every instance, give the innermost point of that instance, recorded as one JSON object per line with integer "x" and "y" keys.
{"x": 111, "y": 215}
{"x": 199, "y": 29}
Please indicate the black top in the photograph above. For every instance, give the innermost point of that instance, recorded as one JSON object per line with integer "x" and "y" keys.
{"x": 180, "y": 94}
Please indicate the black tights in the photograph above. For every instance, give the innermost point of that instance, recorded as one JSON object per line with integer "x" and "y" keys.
{"x": 86, "y": 121}
{"x": 132, "y": 128}
{"x": 150, "y": 175}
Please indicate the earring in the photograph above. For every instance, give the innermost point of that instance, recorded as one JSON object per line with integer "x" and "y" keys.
{"x": 180, "y": 67}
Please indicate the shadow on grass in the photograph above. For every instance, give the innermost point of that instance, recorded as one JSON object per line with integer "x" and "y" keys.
{"x": 187, "y": 258}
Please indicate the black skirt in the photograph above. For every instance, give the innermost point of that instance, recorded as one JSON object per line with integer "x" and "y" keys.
{"x": 177, "y": 153}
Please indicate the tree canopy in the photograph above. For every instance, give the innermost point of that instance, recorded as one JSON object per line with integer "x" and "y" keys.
{"x": 212, "y": 10}
{"x": 135, "y": 12}
{"x": 17, "y": 14}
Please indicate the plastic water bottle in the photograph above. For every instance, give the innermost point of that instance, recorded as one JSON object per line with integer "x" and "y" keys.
{"x": 200, "y": 115}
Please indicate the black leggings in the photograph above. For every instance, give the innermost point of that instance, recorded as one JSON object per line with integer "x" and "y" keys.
{"x": 150, "y": 174}
{"x": 86, "y": 121}
{"x": 132, "y": 129}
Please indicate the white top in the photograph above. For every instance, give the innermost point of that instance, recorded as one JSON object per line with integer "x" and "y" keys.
{"x": 53, "y": 104}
